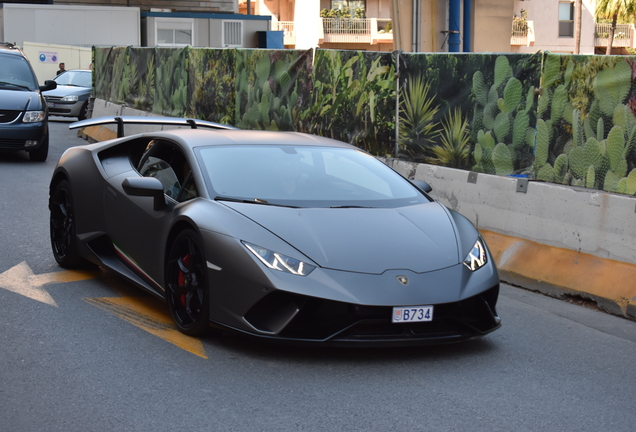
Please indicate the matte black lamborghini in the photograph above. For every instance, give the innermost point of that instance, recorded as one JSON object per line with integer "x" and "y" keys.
{"x": 281, "y": 235}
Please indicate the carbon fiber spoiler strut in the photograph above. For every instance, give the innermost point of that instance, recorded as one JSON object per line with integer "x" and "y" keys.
{"x": 120, "y": 121}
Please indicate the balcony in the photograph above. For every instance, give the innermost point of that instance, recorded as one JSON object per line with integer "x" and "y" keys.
{"x": 287, "y": 27}
{"x": 357, "y": 30}
{"x": 623, "y": 36}
{"x": 343, "y": 30}
{"x": 522, "y": 33}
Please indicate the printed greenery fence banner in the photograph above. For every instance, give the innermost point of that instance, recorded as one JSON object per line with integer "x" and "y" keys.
{"x": 211, "y": 84}
{"x": 586, "y": 131}
{"x": 469, "y": 111}
{"x": 557, "y": 118}
{"x": 353, "y": 99}
{"x": 272, "y": 88}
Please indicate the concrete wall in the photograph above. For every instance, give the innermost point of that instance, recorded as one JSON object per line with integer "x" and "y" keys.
{"x": 70, "y": 25}
{"x": 41, "y": 57}
{"x": 594, "y": 222}
{"x": 545, "y": 16}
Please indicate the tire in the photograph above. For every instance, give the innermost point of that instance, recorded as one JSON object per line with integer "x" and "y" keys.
{"x": 83, "y": 111}
{"x": 62, "y": 227}
{"x": 187, "y": 291}
{"x": 40, "y": 154}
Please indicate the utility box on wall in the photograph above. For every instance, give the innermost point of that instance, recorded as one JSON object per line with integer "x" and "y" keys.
{"x": 272, "y": 39}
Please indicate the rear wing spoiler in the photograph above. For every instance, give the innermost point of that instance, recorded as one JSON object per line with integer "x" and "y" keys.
{"x": 120, "y": 121}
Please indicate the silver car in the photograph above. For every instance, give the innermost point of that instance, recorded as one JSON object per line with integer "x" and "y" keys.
{"x": 70, "y": 98}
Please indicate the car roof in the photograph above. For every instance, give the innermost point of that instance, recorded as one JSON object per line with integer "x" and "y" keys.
{"x": 215, "y": 137}
{"x": 9, "y": 48}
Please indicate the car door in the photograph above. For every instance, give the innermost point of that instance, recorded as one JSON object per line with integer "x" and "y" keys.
{"x": 138, "y": 230}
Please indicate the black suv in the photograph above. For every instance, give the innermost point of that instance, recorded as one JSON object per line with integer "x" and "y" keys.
{"x": 23, "y": 112}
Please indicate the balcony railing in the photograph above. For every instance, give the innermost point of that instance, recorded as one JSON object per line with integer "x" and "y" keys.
{"x": 357, "y": 30}
{"x": 522, "y": 33}
{"x": 289, "y": 34}
{"x": 623, "y": 35}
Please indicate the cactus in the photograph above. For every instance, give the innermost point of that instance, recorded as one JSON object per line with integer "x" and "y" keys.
{"x": 503, "y": 71}
{"x": 615, "y": 146}
{"x": 512, "y": 94}
{"x": 611, "y": 86}
{"x": 560, "y": 168}
{"x": 541, "y": 153}
{"x": 502, "y": 160}
{"x": 576, "y": 159}
{"x": 559, "y": 100}
{"x": 546, "y": 173}
{"x": 630, "y": 183}
{"x": 551, "y": 70}
{"x": 590, "y": 177}
{"x": 520, "y": 128}
{"x": 480, "y": 90}
{"x": 502, "y": 126}
{"x": 592, "y": 153}
{"x": 610, "y": 184}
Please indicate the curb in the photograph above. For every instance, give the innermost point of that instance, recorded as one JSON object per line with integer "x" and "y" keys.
{"x": 95, "y": 134}
{"x": 563, "y": 273}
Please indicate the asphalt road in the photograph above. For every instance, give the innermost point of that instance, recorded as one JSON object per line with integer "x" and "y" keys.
{"x": 78, "y": 352}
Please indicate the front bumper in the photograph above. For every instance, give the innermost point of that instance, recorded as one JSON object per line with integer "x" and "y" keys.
{"x": 15, "y": 136}
{"x": 309, "y": 321}
{"x": 65, "y": 109}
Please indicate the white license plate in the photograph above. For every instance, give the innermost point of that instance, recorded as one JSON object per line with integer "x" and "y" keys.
{"x": 412, "y": 314}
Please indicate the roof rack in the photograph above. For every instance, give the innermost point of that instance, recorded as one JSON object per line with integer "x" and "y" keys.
{"x": 120, "y": 121}
{"x": 8, "y": 44}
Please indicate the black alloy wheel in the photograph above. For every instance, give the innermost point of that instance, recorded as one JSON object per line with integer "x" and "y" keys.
{"x": 186, "y": 284}
{"x": 62, "y": 226}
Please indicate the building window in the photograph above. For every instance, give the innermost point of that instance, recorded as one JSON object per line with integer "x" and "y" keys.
{"x": 173, "y": 32}
{"x": 566, "y": 19}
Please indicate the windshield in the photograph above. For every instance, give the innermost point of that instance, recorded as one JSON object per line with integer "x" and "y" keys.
{"x": 304, "y": 176}
{"x": 75, "y": 78}
{"x": 15, "y": 72}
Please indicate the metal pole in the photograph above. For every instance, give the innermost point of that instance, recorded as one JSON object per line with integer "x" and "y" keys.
{"x": 453, "y": 25}
{"x": 468, "y": 21}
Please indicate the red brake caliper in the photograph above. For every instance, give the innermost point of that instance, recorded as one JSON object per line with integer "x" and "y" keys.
{"x": 182, "y": 279}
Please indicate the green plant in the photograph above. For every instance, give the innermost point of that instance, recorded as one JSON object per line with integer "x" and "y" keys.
{"x": 418, "y": 129}
{"x": 501, "y": 119}
{"x": 455, "y": 149}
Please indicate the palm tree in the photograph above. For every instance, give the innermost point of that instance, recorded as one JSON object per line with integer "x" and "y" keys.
{"x": 615, "y": 10}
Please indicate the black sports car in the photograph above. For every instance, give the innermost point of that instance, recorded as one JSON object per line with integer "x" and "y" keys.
{"x": 281, "y": 235}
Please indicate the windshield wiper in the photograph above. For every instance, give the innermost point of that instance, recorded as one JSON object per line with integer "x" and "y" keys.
{"x": 14, "y": 85}
{"x": 251, "y": 201}
{"x": 349, "y": 206}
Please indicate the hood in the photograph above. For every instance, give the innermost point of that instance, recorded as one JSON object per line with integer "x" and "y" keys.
{"x": 419, "y": 238}
{"x": 18, "y": 99}
{"x": 66, "y": 90}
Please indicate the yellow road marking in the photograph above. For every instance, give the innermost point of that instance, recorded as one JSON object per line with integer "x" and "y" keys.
{"x": 149, "y": 314}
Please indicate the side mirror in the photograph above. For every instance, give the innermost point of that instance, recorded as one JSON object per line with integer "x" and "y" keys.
{"x": 48, "y": 85}
{"x": 146, "y": 186}
{"x": 422, "y": 185}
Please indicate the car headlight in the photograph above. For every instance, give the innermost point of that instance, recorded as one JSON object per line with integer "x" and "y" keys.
{"x": 71, "y": 98}
{"x": 34, "y": 116}
{"x": 280, "y": 262}
{"x": 477, "y": 257}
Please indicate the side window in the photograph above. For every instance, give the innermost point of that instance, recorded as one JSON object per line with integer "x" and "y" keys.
{"x": 166, "y": 162}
